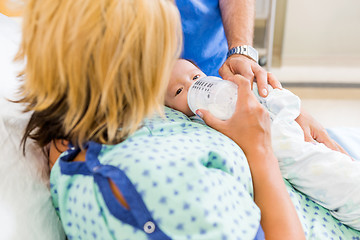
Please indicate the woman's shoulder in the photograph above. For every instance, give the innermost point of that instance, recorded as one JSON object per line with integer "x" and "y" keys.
{"x": 172, "y": 130}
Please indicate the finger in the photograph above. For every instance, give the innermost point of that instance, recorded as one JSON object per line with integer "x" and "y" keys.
{"x": 261, "y": 80}
{"x": 247, "y": 99}
{"x": 322, "y": 137}
{"x": 308, "y": 137}
{"x": 225, "y": 72}
{"x": 330, "y": 143}
{"x": 209, "y": 119}
{"x": 237, "y": 65}
{"x": 249, "y": 75}
{"x": 244, "y": 73}
{"x": 327, "y": 142}
{"x": 272, "y": 80}
{"x": 341, "y": 149}
{"x": 244, "y": 85}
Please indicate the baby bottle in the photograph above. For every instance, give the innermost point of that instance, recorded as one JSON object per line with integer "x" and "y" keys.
{"x": 213, "y": 94}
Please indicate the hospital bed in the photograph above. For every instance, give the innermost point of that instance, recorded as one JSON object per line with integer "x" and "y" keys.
{"x": 26, "y": 211}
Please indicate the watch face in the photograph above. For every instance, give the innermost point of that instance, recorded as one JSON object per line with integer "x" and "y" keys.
{"x": 253, "y": 54}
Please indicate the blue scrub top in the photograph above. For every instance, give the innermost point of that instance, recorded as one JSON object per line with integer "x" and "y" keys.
{"x": 204, "y": 36}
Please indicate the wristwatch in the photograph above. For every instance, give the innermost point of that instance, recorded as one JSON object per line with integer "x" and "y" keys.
{"x": 245, "y": 50}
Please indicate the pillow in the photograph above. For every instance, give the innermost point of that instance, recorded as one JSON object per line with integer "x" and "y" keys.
{"x": 26, "y": 210}
{"x": 10, "y": 38}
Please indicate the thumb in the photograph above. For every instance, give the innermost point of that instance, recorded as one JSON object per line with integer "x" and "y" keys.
{"x": 209, "y": 119}
{"x": 330, "y": 143}
{"x": 225, "y": 72}
{"x": 325, "y": 140}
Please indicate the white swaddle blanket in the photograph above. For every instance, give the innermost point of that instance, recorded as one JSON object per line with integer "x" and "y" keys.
{"x": 328, "y": 177}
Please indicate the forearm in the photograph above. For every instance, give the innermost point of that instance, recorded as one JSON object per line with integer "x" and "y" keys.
{"x": 249, "y": 128}
{"x": 278, "y": 216}
{"x": 238, "y": 18}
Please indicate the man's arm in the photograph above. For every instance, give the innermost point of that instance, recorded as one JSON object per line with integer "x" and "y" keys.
{"x": 238, "y": 18}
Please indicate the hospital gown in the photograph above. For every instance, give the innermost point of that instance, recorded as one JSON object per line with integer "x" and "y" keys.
{"x": 182, "y": 180}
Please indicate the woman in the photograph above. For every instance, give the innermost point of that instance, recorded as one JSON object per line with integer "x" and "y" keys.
{"x": 96, "y": 76}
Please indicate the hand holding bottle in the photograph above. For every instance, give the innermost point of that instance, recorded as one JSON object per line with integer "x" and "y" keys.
{"x": 249, "y": 127}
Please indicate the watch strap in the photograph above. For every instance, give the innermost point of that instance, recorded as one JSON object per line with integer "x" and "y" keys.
{"x": 245, "y": 50}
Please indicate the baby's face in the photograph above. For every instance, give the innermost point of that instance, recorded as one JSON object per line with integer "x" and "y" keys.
{"x": 182, "y": 76}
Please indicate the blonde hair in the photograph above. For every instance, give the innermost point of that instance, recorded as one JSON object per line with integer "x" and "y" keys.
{"x": 96, "y": 66}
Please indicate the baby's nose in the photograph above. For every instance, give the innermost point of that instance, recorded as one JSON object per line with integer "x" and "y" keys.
{"x": 188, "y": 85}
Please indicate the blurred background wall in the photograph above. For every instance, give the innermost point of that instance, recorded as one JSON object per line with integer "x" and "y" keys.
{"x": 322, "y": 32}
{"x": 317, "y": 56}
{"x": 322, "y": 36}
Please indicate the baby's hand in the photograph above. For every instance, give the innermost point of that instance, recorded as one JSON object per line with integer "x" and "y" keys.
{"x": 315, "y": 132}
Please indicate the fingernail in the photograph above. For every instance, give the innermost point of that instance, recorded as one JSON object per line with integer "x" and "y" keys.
{"x": 199, "y": 114}
{"x": 264, "y": 92}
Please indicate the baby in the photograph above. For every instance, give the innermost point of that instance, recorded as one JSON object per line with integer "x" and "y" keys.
{"x": 328, "y": 177}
